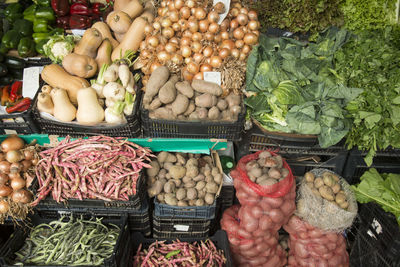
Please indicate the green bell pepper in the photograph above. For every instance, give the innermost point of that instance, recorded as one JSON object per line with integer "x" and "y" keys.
{"x": 46, "y": 13}
{"x": 11, "y": 39}
{"x": 24, "y": 27}
{"x": 42, "y": 2}
{"x": 13, "y": 12}
{"x": 57, "y": 31}
{"x": 26, "y": 47}
{"x": 29, "y": 13}
{"x": 41, "y": 25}
{"x": 39, "y": 46}
{"x": 3, "y": 48}
{"x": 39, "y": 36}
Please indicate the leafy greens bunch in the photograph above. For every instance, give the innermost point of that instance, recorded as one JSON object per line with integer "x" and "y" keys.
{"x": 294, "y": 88}
{"x": 371, "y": 61}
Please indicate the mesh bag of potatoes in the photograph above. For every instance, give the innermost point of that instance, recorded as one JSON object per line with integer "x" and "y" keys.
{"x": 326, "y": 201}
{"x": 184, "y": 179}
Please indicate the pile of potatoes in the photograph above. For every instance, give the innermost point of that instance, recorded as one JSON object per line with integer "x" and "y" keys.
{"x": 328, "y": 187}
{"x": 183, "y": 179}
{"x": 168, "y": 98}
{"x": 267, "y": 169}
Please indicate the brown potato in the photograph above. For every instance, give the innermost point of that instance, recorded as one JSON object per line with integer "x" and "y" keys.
{"x": 326, "y": 192}
{"x": 340, "y": 198}
{"x": 318, "y": 182}
{"x": 212, "y": 187}
{"x": 177, "y": 172}
{"x": 218, "y": 178}
{"x": 309, "y": 176}
{"x": 191, "y": 193}
{"x": 182, "y": 203}
{"x": 328, "y": 180}
{"x": 336, "y": 188}
{"x": 199, "y": 202}
{"x": 181, "y": 194}
{"x": 200, "y": 185}
{"x": 209, "y": 198}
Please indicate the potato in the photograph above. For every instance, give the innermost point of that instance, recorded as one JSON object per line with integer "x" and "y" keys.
{"x": 162, "y": 173}
{"x": 156, "y": 188}
{"x": 202, "y": 113}
{"x": 177, "y": 182}
{"x": 208, "y": 159}
{"x": 191, "y": 107}
{"x": 191, "y": 193}
{"x": 318, "y": 182}
{"x": 212, "y": 187}
{"x": 180, "y": 104}
{"x": 340, "y": 198}
{"x": 162, "y": 156}
{"x": 251, "y": 165}
{"x": 167, "y": 93}
{"x": 222, "y": 104}
{"x": 213, "y": 113}
{"x": 218, "y": 178}
{"x": 226, "y": 115}
{"x": 284, "y": 172}
{"x": 171, "y": 158}
{"x": 151, "y": 181}
{"x": 328, "y": 180}
{"x": 268, "y": 182}
{"x": 200, "y": 185}
{"x": 215, "y": 171}
{"x": 235, "y": 111}
{"x": 326, "y": 192}
{"x": 205, "y": 100}
{"x": 193, "y": 116}
{"x": 192, "y": 171}
{"x": 209, "y": 198}
{"x": 160, "y": 197}
{"x": 168, "y": 176}
{"x": 207, "y": 170}
{"x": 199, "y": 202}
{"x": 180, "y": 158}
{"x": 279, "y": 161}
{"x": 170, "y": 199}
{"x": 233, "y": 100}
{"x": 336, "y": 188}
{"x": 177, "y": 172}
{"x": 310, "y": 185}
{"x": 315, "y": 191}
{"x": 274, "y": 173}
{"x": 309, "y": 176}
{"x": 157, "y": 79}
{"x": 182, "y": 203}
{"x": 252, "y": 177}
{"x": 185, "y": 89}
{"x": 344, "y": 205}
{"x": 264, "y": 154}
{"x": 192, "y": 202}
{"x": 199, "y": 177}
{"x": 335, "y": 177}
{"x": 192, "y": 162}
{"x": 169, "y": 187}
{"x": 189, "y": 184}
{"x": 163, "y": 113}
{"x": 155, "y": 104}
{"x": 181, "y": 194}
{"x": 256, "y": 172}
{"x": 201, "y": 193}
{"x": 202, "y": 86}
{"x": 186, "y": 179}
{"x": 168, "y": 165}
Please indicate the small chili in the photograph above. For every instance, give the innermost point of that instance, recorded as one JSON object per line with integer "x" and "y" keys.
{"x": 20, "y": 105}
{"x": 98, "y": 8}
{"x": 5, "y": 95}
{"x": 16, "y": 91}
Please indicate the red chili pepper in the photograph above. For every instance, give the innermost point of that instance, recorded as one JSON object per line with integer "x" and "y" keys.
{"x": 60, "y": 7}
{"x": 80, "y": 9}
{"x": 98, "y": 8}
{"x": 63, "y": 22}
{"x": 16, "y": 91}
{"x": 20, "y": 106}
{"x": 5, "y": 95}
{"x": 80, "y": 22}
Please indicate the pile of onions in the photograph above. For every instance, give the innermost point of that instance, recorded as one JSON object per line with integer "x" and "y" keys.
{"x": 186, "y": 34}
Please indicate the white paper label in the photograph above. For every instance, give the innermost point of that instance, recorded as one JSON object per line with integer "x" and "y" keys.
{"x": 7, "y": 131}
{"x": 30, "y": 83}
{"x": 182, "y": 228}
{"x": 79, "y": 32}
{"x": 227, "y": 4}
{"x": 227, "y": 179}
{"x": 212, "y": 76}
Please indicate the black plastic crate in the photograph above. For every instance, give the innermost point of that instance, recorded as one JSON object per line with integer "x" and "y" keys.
{"x": 17, "y": 240}
{"x": 201, "y": 212}
{"x": 6, "y": 230}
{"x": 134, "y": 202}
{"x": 387, "y": 161}
{"x": 130, "y": 129}
{"x": 226, "y": 196}
{"x": 190, "y": 129}
{"x": 378, "y": 239}
{"x": 37, "y": 61}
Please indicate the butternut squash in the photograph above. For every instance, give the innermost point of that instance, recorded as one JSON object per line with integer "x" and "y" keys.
{"x": 103, "y": 28}
{"x": 132, "y": 38}
{"x": 104, "y": 54}
{"x": 119, "y": 21}
{"x": 63, "y": 109}
{"x": 134, "y": 8}
{"x": 46, "y": 89}
{"x": 44, "y": 103}
{"x": 149, "y": 11}
{"x": 91, "y": 40}
{"x": 89, "y": 110}
{"x": 55, "y": 76}
{"x": 81, "y": 66}
{"x": 119, "y": 36}
{"x": 119, "y": 4}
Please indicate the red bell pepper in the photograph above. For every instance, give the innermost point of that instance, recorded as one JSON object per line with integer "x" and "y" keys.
{"x": 60, "y": 7}
{"x": 20, "y": 105}
{"x": 16, "y": 91}
{"x": 80, "y": 1}
{"x": 98, "y": 8}
{"x": 63, "y": 22}
{"x": 80, "y": 22}
{"x": 80, "y": 9}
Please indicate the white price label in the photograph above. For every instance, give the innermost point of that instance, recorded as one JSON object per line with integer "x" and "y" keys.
{"x": 30, "y": 83}
{"x": 182, "y": 228}
{"x": 227, "y": 4}
{"x": 7, "y": 131}
{"x": 79, "y": 32}
{"x": 213, "y": 76}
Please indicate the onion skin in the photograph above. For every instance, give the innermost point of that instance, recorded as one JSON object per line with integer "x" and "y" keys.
{"x": 22, "y": 196}
{"x": 17, "y": 183}
{"x": 5, "y": 166}
{"x": 4, "y": 207}
{"x": 12, "y": 142}
{"x": 14, "y": 156}
{"x": 5, "y": 191}
{"x": 3, "y": 178}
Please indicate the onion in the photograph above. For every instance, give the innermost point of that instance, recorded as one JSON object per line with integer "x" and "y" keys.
{"x": 4, "y": 207}
{"x": 242, "y": 19}
{"x": 148, "y": 29}
{"x": 13, "y": 142}
{"x": 186, "y": 51}
{"x": 253, "y": 25}
{"x": 257, "y": 33}
{"x": 203, "y": 25}
{"x": 184, "y": 12}
{"x": 213, "y": 16}
{"x": 235, "y": 53}
{"x": 187, "y": 60}
{"x": 237, "y": 5}
{"x": 26, "y": 164}
{"x": 243, "y": 10}
{"x": 198, "y": 76}
{"x": 153, "y": 66}
{"x": 187, "y": 33}
{"x": 239, "y": 43}
{"x": 143, "y": 45}
{"x": 16, "y": 167}
{"x": 192, "y": 67}
{"x": 185, "y": 41}
{"x": 250, "y": 38}
{"x": 153, "y": 41}
{"x": 17, "y": 183}
{"x": 246, "y": 49}
{"x": 193, "y": 26}
{"x": 35, "y": 161}
{"x": 215, "y": 61}
{"x": 219, "y": 8}
{"x": 187, "y": 75}
{"x": 224, "y": 35}
{"x": 234, "y": 24}
{"x": 242, "y": 56}
{"x": 197, "y": 36}
{"x": 238, "y": 33}
{"x": 208, "y": 51}
{"x": 163, "y": 56}
{"x": 176, "y": 27}
{"x": 229, "y": 44}
{"x": 197, "y": 57}
{"x": 22, "y": 196}
{"x": 174, "y": 40}
{"x": 14, "y": 156}
{"x": 170, "y": 47}
{"x": 213, "y": 28}
{"x": 3, "y": 178}
{"x": 5, "y": 166}
{"x": 205, "y": 67}
{"x": 217, "y": 38}
{"x": 144, "y": 54}
{"x": 156, "y": 25}
{"x": 191, "y": 3}
{"x": 168, "y": 32}
{"x": 177, "y": 59}
{"x": 200, "y": 13}
{"x": 209, "y": 36}
{"x": 163, "y": 4}
{"x": 173, "y": 16}
{"x": 252, "y": 15}
{"x": 196, "y": 47}
{"x": 179, "y": 4}
{"x": 166, "y": 23}
{"x": 13, "y": 175}
{"x": 5, "y": 191}
{"x": 171, "y": 6}
{"x": 224, "y": 25}
{"x": 234, "y": 11}
{"x": 224, "y": 53}
{"x": 183, "y": 24}
{"x": 160, "y": 48}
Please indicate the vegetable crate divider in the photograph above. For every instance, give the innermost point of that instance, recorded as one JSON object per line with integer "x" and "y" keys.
{"x": 172, "y": 227}
{"x": 386, "y": 161}
{"x": 17, "y": 240}
{"x": 138, "y": 220}
{"x": 301, "y": 158}
{"x": 191, "y": 129}
{"x": 378, "y": 239}
{"x": 134, "y": 203}
{"x": 130, "y": 129}
{"x": 220, "y": 240}
{"x": 37, "y": 61}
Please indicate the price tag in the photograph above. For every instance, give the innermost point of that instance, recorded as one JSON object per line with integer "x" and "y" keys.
{"x": 182, "y": 228}
{"x": 227, "y": 4}
{"x": 79, "y": 32}
{"x": 7, "y": 131}
{"x": 30, "y": 83}
{"x": 212, "y": 76}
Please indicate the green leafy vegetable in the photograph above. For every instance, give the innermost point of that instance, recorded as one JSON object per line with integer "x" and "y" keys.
{"x": 383, "y": 189}
{"x": 59, "y": 46}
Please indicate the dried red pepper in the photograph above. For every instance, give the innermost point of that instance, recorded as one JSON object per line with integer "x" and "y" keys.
{"x": 20, "y": 105}
{"x": 16, "y": 91}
